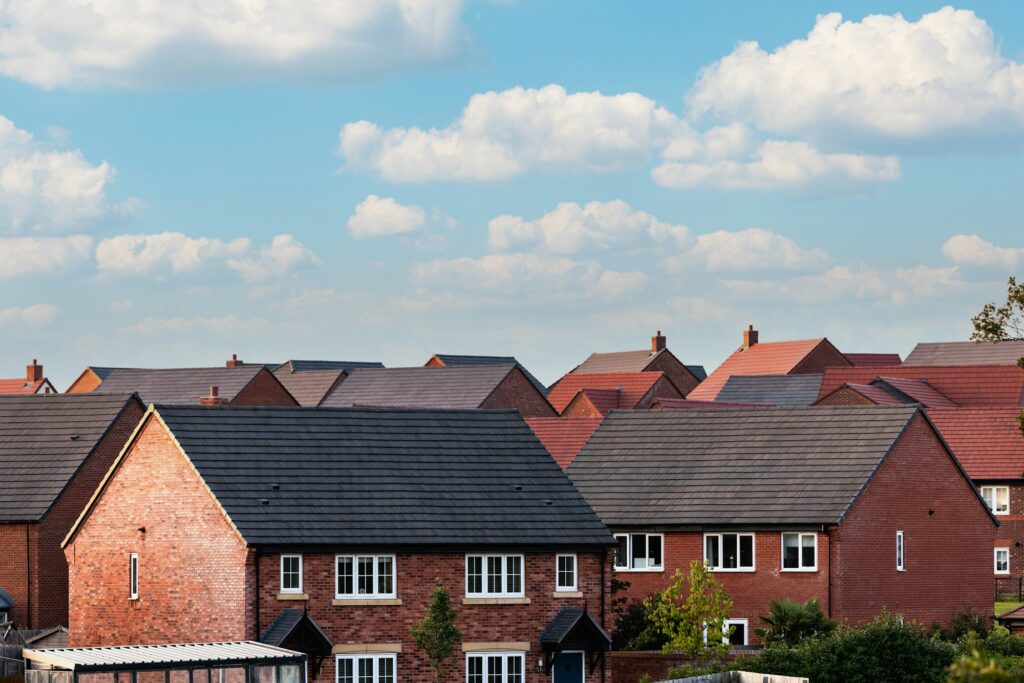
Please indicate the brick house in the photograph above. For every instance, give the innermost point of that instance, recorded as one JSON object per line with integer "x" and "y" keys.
{"x": 325, "y": 529}
{"x": 448, "y": 360}
{"x": 814, "y": 502}
{"x": 969, "y": 386}
{"x": 309, "y": 381}
{"x": 594, "y": 394}
{"x": 657, "y": 359}
{"x": 54, "y": 450}
{"x": 34, "y": 382}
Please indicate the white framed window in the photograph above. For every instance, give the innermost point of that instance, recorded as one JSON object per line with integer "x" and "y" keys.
{"x": 366, "y": 668}
{"x": 133, "y": 576}
{"x": 799, "y": 552}
{"x": 364, "y": 576}
{"x": 639, "y": 552}
{"x": 1002, "y": 560}
{"x": 565, "y": 573}
{"x": 899, "y": 551}
{"x": 997, "y": 498}
{"x": 739, "y": 633}
{"x": 494, "y": 576}
{"x": 291, "y": 573}
{"x": 496, "y": 667}
{"x": 729, "y": 552}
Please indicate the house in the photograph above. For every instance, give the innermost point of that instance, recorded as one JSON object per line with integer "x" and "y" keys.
{"x": 771, "y": 390}
{"x": 657, "y": 359}
{"x": 593, "y": 395}
{"x": 54, "y": 450}
{"x": 753, "y": 357}
{"x": 237, "y": 383}
{"x": 326, "y": 528}
{"x": 863, "y": 508}
{"x": 34, "y": 382}
{"x": 967, "y": 353}
{"x": 448, "y": 360}
{"x": 563, "y": 437}
{"x": 460, "y": 386}
{"x": 886, "y": 391}
{"x": 964, "y": 385}
{"x": 309, "y": 381}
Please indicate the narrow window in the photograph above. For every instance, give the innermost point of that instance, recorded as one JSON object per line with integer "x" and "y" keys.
{"x": 366, "y": 669}
{"x": 495, "y": 576}
{"x": 800, "y": 552}
{"x": 565, "y": 573}
{"x": 497, "y": 667}
{"x": 899, "y": 551}
{"x": 365, "y": 576}
{"x": 622, "y": 551}
{"x": 729, "y": 552}
{"x": 133, "y": 576}
{"x": 291, "y": 573}
{"x": 1002, "y": 560}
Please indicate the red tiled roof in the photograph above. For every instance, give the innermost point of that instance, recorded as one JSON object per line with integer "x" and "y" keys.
{"x": 921, "y": 391}
{"x": 687, "y": 404}
{"x": 766, "y": 358}
{"x": 986, "y": 441}
{"x": 874, "y": 393}
{"x": 873, "y": 359}
{"x": 632, "y": 386}
{"x": 563, "y": 436}
{"x": 987, "y": 385}
{"x": 19, "y": 386}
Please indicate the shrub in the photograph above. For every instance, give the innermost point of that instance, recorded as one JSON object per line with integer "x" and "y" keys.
{"x": 977, "y": 667}
{"x": 635, "y": 628}
{"x": 791, "y": 622}
{"x": 965, "y": 622}
{"x": 692, "y": 613}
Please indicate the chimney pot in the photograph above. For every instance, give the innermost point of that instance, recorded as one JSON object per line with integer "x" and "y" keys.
{"x": 234, "y": 362}
{"x": 749, "y": 337}
{"x": 658, "y": 342}
{"x": 34, "y": 372}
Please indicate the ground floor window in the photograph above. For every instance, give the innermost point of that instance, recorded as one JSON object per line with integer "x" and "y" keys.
{"x": 366, "y": 669}
{"x": 1002, "y": 561}
{"x": 739, "y": 634}
{"x": 495, "y": 667}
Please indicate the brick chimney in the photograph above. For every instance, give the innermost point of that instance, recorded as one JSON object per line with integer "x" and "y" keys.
{"x": 34, "y": 372}
{"x": 234, "y": 362}
{"x": 214, "y": 399}
{"x": 658, "y": 342}
{"x": 749, "y": 337}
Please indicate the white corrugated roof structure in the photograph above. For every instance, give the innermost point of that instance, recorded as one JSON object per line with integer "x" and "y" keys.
{"x": 160, "y": 657}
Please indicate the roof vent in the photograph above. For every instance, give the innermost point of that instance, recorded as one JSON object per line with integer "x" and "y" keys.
{"x": 548, "y": 501}
{"x": 75, "y": 437}
{"x": 275, "y": 487}
{"x": 264, "y": 501}
{"x": 517, "y": 487}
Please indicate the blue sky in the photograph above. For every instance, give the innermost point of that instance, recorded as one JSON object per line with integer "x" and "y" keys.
{"x": 281, "y": 184}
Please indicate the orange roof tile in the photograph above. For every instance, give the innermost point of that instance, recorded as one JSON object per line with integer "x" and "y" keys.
{"x": 563, "y": 436}
{"x": 632, "y": 387}
{"x": 687, "y": 404}
{"x": 921, "y": 391}
{"x": 765, "y": 358}
{"x": 968, "y": 386}
{"x": 986, "y": 441}
{"x": 19, "y": 386}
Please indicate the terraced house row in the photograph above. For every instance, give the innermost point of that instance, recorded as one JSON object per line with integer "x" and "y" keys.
{"x": 316, "y": 504}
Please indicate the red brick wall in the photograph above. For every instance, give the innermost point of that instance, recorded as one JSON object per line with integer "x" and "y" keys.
{"x": 15, "y": 555}
{"x": 663, "y": 388}
{"x": 86, "y": 383}
{"x": 581, "y": 406}
{"x": 823, "y": 356}
{"x": 1010, "y": 534}
{"x": 676, "y": 371}
{"x": 845, "y": 396}
{"x": 516, "y": 392}
{"x": 264, "y": 390}
{"x": 947, "y": 536}
{"x": 192, "y": 563}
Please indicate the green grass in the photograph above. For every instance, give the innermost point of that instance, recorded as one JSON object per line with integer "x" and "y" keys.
{"x": 1003, "y": 607}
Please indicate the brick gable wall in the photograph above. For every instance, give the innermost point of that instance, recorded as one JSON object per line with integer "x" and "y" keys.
{"x": 675, "y": 371}
{"x": 823, "y": 356}
{"x": 517, "y": 392}
{"x": 86, "y": 383}
{"x": 845, "y": 396}
{"x": 264, "y": 390}
{"x": 663, "y": 388}
{"x": 19, "y": 569}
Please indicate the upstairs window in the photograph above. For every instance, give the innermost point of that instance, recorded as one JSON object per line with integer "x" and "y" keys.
{"x": 729, "y": 552}
{"x": 364, "y": 576}
{"x": 291, "y": 573}
{"x": 899, "y": 551}
{"x": 133, "y": 576}
{"x": 639, "y": 552}
{"x": 1002, "y": 561}
{"x": 800, "y": 552}
{"x": 494, "y": 576}
{"x": 565, "y": 573}
{"x": 997, "y": 498}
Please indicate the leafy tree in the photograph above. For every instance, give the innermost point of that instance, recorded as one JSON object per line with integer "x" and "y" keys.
{"x": 977, "y": 667}
{"x": 792, "y": 622}
{"x": 691, "y": 613}
{"x": 1003, "y": 323}
{"x": 436, "y": 634}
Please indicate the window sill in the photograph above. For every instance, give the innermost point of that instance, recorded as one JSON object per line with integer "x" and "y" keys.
{"x": 799, "y": 571}
{"x": 626, "y": 570}
{"x": 567, "y": 594}
{"x": 496, "y": 601}
{"x": 292, "y": 596}
{"x": 366, "y": 602}
{"x": 744, "y": 570}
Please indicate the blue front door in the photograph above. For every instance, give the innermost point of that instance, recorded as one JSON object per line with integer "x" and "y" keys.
{"x": 568, "y": 667}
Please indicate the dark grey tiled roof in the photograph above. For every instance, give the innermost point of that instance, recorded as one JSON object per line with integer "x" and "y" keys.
{"x": 310, "y": 386}
{"x": 572, "y": 619}
{"x": 751, "y": 466}
{"x": 966, "y": 353}
{"x": 465, "y": 386}
{"x": 617, "y": 361}
{"x": 176, "y": 385}
{"x": 313, "y": 365}
{"x": 698, "y": 371}
{"x": 44, "y": 439}
{"x": 285, "y": 624}
{"x": 771, "y": 390}
{"x": 452, "y": 359}
{"x": 383, "y": 477}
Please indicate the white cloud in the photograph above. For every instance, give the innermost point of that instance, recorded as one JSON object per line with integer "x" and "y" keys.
{"x": 36, "y": 314}
{"x": 883, "y": 76}
{"x": 21, "y": 256}
{"x": 570, "y": 228}
{"x": 613, "y": 284}
{"x": 974, "y": 251}
{"x": 284, "y": 256}
{"x": 843, "y": 284}
{"x": 747, "y": 249}
{"x": 127, "y": 43}
{"x": 173, "y": 251}
{"x": 225, "y": 326}
{"x": 383, "y": 216}
{"x": 503, "y": 134}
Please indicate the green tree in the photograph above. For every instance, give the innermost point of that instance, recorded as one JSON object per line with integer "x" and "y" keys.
{"x": 691, "y": 613}
{"x": 977, "y": 667}
{"x": 791, "y": 622}
{"x": 436, "y": 634}
{"x": 1003, "y": 323}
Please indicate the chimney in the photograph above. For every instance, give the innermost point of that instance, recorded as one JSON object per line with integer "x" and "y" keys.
{"x": 658, "y": 342}
{"x": 34, "y": 372}
{"x": 749, "y": 337}
{"x": 234, "y": 362}
{"x": 214, "y": 399}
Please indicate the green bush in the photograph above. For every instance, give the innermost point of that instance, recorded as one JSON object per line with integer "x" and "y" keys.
{"x": 635, "y": 628}
{"x": 792, "y": 622}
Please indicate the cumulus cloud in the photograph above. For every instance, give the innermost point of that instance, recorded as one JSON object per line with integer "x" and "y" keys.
{"x": 842, "y": 283}
{"x": 745, "y": 250}
{"x": 21, "y": 256}
{"x": 504, "y": 134}
{"x": 145, "y": 44}
{"x": 884, "y": 76}
{"x": 284, "y": 256}
{"x": 383, "y": 217}
{"x": 972, "y": 250}
{"x": 34, "y": 315}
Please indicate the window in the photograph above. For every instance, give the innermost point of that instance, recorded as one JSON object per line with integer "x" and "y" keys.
{"x": 800, "y": 552}
{"x": 997, "y": 498}
{"x": 565, "y": 573}
{"x": 738, "y": 636}
{"x": 729, "y": 552}
{"x": 899, "y": 551}
{"x": 364, "y": 576}
{"x": 3, "y": 617}
{"x": 638, "y": 552}
{"x": 495, "y": 667}
{"x": 291, "y": 573}
{"x": 133, "y": 576}
{"x": 1002, "y": 560}
{"x": 494, "y": 576}
{"x": 366, "y": 669}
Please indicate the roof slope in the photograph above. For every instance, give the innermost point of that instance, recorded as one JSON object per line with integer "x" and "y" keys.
{"x": 563, "y": 436}
{"x": 21, "y": 386}
{"x": 764, "y": 358}
{"x": 383, "y": 477}
{"x": 43, "y": 441}
{"x": 308, "y": 387}
{"x": 629, "y": 361}
{"x": 777, "y": 390}
{"x": 458, "y": 387}
{"x": 698, "y": 371}
{"x": 873, "y": 359}
{"x": 631, "y": 386}
{"x": 918, "y": 390}
{"x": 176, "y": 385}
{"x": 739, "y": 466}
{"x": 454, "y": 359}
{"x": 986, "y": 441}
{"x": 979, "y": 385}
{"x": 966, "y": 353}
{"x": 314, "y": 365}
